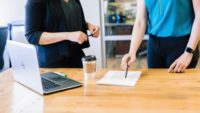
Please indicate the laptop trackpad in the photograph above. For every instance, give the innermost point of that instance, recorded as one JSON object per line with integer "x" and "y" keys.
{"x": 61, "y": 80}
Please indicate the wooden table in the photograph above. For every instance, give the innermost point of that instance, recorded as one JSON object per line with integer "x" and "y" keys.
{"x": 156, "y": 92}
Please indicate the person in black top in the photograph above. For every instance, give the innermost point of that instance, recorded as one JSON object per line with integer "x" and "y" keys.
{"x": 58, "y": 29}
{"x": 3, "y": 39}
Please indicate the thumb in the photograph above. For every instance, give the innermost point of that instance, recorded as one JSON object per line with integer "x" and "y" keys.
{"x": 94, "y": 30}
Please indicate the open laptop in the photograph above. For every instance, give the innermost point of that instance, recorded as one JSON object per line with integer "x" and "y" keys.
{"x": 25, "y": 70}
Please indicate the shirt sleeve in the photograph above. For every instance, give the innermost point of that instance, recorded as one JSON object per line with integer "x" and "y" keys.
{"x": 34, "y": 21}
{"x": 86, "y": 25}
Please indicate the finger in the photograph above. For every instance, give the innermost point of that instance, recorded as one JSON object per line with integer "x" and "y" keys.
{"x": 94, "y": 30}
{"x": 131, "y": 61}
{"x": 176, "y": 67}
{"x": 96, "y": 34}
{"x": 124, "y": 62}
{"x": 84, "y": 36}
{"x": 183, "y": 69}
{"x": 180, "y": 68}
{"x": 97, "y": 30}
{"x": 123, "y": 65}
{"x": 81, "y": 40}
{"x": 171, "y": 67}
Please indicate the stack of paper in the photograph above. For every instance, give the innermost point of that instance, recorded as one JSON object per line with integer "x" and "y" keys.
{"x": 118, "y": 78}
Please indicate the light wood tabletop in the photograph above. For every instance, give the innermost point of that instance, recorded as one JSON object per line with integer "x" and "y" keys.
{"x": 156, "y": 92}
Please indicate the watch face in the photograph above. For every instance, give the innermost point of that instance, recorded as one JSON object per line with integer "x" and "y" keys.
{"x": 189, "y": 50}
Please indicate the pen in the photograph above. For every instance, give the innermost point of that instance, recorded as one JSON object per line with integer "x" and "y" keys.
{"x": 90, "y": 35}
{"x": 126, "y": 73}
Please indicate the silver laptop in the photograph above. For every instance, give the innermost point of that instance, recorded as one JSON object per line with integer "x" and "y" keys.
{"x": 25, "y": 70}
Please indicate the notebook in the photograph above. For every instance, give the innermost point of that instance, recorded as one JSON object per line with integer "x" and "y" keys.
{"x": 118, "y": 78}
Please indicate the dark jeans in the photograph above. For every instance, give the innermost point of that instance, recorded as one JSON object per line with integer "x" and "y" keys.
{"x": 162, "y": 52}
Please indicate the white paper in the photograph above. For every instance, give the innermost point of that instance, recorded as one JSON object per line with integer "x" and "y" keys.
{"x": 118, "y": 78}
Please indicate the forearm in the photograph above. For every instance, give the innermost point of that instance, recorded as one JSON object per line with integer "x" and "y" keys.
{"x": 195, "y": 34}
{"x": 137, "y": 36}
{"x": 139, "y": 27}
{"x": 50, "y": 38}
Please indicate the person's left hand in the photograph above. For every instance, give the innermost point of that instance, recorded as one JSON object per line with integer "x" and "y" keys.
{"x": 180, "y": 64}
{"x": 94, "y": 29}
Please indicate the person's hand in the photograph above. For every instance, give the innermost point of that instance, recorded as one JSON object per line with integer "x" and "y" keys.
{"x": 94, "y": 29}
{"x": 127, "y": 60}
{"x": 78, "y": 37}
{"x": 180, "y": 64}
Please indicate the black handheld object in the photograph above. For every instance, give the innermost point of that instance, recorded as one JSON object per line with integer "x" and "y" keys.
{"x": 90, "y": 35}
{"x": 126, "y": 71}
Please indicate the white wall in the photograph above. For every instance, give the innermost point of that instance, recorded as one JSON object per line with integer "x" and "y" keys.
{"x": 11, "y": 10}
{"x": 92, "y": 13}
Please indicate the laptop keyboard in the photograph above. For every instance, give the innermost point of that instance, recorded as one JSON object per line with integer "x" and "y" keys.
{"x": 47, "y": 84}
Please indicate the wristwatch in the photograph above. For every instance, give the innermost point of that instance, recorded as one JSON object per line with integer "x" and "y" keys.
{"x": 189, "y": 50}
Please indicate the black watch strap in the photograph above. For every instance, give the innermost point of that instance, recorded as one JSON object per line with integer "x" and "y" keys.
{"x": 189, "y": 50}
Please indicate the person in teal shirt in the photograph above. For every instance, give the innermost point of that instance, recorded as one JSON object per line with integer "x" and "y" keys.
{"x": 173, "y": 29}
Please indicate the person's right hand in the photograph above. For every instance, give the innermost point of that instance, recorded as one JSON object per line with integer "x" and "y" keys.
{"x": 78, "y": 37}
{"x": 127, "y": 60}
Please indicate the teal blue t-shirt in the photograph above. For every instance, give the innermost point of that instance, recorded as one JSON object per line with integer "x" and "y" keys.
{"x": 169, "y": 18}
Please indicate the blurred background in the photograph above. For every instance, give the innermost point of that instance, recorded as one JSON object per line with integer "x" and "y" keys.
{"x": 115, "y": 17}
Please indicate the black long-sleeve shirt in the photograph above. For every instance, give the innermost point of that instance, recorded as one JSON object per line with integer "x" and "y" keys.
{"x": 54, "y": 16}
